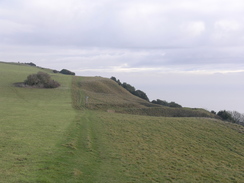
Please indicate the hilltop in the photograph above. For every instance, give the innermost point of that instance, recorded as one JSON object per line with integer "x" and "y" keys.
{"x": 92, "y": 130}
{"x": 105, "y": 94}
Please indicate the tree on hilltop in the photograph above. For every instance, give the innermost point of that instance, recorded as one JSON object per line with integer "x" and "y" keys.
{"x": 226, "y": 116}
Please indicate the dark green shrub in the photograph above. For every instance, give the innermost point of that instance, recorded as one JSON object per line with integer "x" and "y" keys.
{"x": 67, "y": 72}
{"x": 131, "y": 89}
{"x": 165, "y": 103}
{"x": 226, "y": 116}
{"x": 55, "y": 71}
{"x": 213, "y": 112}
{"x": 141, "y": 94}
{"x": 31, "y": 64}
{"x": 41, "y": 80}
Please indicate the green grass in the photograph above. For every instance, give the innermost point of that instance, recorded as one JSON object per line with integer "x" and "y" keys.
{"x": 33, "y": 122}
{"x": 48, "y": 135}
{"x": 152, "y": 149}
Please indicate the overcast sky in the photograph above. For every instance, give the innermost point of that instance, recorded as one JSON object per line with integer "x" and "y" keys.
{"x": 187, "y": 51}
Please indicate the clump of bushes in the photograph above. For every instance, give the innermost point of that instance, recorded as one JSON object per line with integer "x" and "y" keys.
{"x": 55, "y": 71}
{"x": 232, "y": 116}
{"x": 143, "y": 95}
{"x": 165, "y": 103}
{"x": 67, "y": 72}
{"x": 41, "y": 80}
{"x": 31, "y": 64}
{"x": 131, "y": 89}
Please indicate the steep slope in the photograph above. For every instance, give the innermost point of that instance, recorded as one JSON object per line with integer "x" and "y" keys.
{"x": 105, "y": 94}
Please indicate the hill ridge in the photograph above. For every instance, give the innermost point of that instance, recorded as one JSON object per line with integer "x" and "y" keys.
{"x": 105, "y": 94}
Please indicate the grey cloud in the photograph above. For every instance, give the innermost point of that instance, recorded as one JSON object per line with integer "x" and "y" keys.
{"x": 122, "y": 24}
{"x": 144, "y": 38}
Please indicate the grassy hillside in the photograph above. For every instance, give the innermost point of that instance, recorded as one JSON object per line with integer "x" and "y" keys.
{"x": 33, "y": 123}
{"x": 105, "y": 94}
{"x": 51, "y": 135}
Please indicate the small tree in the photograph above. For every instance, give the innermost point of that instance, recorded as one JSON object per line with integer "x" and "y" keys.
{"x": 225, "y": 116}
{"x": 237, "y": 117}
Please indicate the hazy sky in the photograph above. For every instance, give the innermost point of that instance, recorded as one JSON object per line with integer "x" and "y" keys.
{"x": 187, "y": 51}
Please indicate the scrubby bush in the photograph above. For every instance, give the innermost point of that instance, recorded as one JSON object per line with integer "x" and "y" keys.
{"x": 67, "y": 72}
{"x": 237, "y": 117}
{"x": 213, "y": 112}
{"x": 55, "y": 71}
{"x": 131, "y": 89}
{"x": 173, "y": 104}
{"x": 41, "y": 80}
{"x": 141, "y": 94}
{"x": 117, "y": 81}
{"x": 31, "y": 64}
{"x": 224, "y": 115}
{"x": 165, "y": 103}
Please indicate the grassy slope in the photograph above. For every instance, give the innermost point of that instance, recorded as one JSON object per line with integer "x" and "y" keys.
{"x": 43, "y": 139}
{"x": 152, "y": 149}
{"x": 136, "y": 148}
{"x": 106, "y": 94}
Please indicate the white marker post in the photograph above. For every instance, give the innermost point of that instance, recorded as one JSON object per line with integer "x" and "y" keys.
{"x": 86, "y": 104}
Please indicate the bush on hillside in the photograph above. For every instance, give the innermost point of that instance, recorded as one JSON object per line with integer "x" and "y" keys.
{"x": 31, "y": 64}
{"x": 213, "y": 112}
{"x": 237, "y": 117}
{"x": 226, "y": 116}
{"x": 55, "y": 71}
{"x": 141, "y": 94}
{"x": 41, "y": 80}
{"x": 131, "y": 89}
{"x": 67, "y": 72}
{"x": 165, "y": 103}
